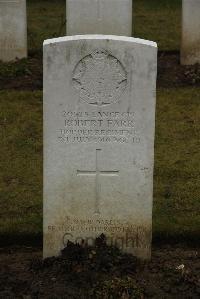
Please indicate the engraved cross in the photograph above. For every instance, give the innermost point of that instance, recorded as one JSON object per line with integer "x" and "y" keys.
{"x": 97, "y": 173}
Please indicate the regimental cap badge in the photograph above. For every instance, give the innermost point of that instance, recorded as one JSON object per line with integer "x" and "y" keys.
{"x": 100, "y": 78}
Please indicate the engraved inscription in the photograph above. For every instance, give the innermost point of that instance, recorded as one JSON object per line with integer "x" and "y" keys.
{"x": 100, "y": 78}
{"x": 135, "y": 236}
{"x": 97, "y": 173}
{"x": 99, "y": 126}
{"x": 8, "y": 43}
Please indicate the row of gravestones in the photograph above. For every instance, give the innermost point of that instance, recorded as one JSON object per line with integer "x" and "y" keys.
{"x": 99, "y": 122}
{"x": 92, "y": 17}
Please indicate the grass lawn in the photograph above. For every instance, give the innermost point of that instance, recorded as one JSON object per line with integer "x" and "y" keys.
{"x": 177, "y": 164}
{"x": 21, "y": 166}
{"x": 157, "y": 20}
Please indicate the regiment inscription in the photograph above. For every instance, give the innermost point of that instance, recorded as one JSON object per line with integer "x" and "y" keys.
{"x": 98, "y": 126}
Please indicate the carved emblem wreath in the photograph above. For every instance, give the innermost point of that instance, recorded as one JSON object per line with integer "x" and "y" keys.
{"x": 100, "y": 78}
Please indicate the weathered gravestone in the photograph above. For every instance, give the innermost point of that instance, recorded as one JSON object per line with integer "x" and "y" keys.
{"x": 99, "y": 116}
{"x": 13, "y": 29}
{"x": 99, "y": 17}
{"x": 190, "y": 50}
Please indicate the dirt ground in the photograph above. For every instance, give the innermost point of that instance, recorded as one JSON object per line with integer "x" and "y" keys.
{"x": 99, "y": 272}
{"x": 27, "y": 74}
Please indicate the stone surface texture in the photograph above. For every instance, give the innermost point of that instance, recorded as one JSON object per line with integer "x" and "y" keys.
{"x": 190, "y": 49}
{"x": 99, "y": 17}
{"x": 99, "y": 118}
{"x": 13, "y": 30}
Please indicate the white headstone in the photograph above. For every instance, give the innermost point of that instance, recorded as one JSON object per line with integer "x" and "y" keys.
{"x": 190, "y": 50}
{"x": 99, "y": 17}
{"x": 13, "y": 30}
{"x": 99, "y": 117}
